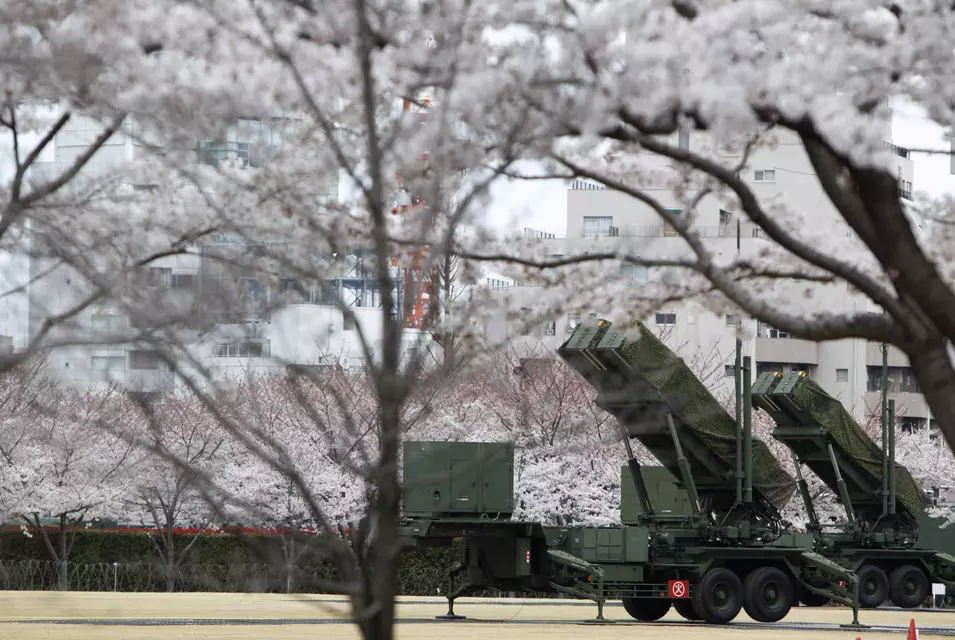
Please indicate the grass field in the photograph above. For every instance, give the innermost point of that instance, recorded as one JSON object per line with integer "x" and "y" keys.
{"x": 326, "y": 618}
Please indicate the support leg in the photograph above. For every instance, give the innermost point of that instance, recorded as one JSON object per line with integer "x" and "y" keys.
{"x": 450, "y": 615}
{"x": 600, "y": 619}
{"x": 855, "y": 624}
{"x": 453, "y": 594}
{"x": 600, "y": 600}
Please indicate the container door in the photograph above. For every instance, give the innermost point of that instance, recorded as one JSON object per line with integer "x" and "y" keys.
{"x": 497, "y": 492}
{"x": 465, "y": 476}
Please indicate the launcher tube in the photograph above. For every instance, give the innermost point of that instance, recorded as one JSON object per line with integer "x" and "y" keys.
{"x": 737, "y": 372}
{"x": 892, "y": 457}
{"x": 885, "y": 448}
{"x": 747, "y": 432}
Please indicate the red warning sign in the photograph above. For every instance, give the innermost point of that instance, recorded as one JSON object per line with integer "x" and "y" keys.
{"x": 679, "y": 588}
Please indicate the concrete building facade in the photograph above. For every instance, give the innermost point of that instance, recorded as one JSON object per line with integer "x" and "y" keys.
{"x": 849, "y": 369}
{"x": 311, "y": 332}
{"x": 308, "y": 331}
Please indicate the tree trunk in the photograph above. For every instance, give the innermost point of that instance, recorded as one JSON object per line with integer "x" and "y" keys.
{"x": 933, "y": 369}
{"x": 384, "y": 579}
{"x": 169, "y": 567}
{"x": 290, "y": 563}
{"x": 63, "y": 565}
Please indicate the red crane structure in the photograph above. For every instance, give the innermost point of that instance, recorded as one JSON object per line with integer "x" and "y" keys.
{"x": 418, "y": 282}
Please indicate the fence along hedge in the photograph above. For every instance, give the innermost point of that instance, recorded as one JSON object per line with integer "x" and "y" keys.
{"x": 214, "y": 563}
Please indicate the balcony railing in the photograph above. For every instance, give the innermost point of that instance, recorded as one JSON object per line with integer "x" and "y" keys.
{"x": 663, "y": 230}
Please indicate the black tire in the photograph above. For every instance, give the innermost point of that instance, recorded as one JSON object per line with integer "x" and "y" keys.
{"x": 684, "y": 607}
{"x": 908, "y": 587}
{"x": 646, "y": 609}
{"x": 811, "y": 598}
{"x": 718, "y": 597}
{"x": 873, "y": 586}
{"x": 767, "y": 594}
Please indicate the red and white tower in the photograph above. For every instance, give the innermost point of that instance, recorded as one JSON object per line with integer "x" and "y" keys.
{"x": 418, "y": 283}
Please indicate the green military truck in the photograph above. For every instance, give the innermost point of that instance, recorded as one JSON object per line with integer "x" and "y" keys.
{"x": 728, "y": 553}
{"x": 885, "y": 508}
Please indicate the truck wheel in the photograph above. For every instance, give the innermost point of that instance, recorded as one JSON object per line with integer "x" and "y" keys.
{"x": 873, "y": 586}
{"x": 767, "y": 594}
{"x": 685, "y": 608}
{"x": 718, "y": 597}
{"x": 646, "y": 609}
{"x": 812, "y": 599}
{"x": 908, "y": 586}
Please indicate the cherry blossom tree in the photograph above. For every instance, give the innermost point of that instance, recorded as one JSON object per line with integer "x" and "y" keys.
{"x": 574, "y": 485}
{"x": 67, "y": 470}
{"x": 539, "y": 399}
{"x": 568, "y": 451}
{"x": 585, "y": 89}
{"x": 166, "y": 494}
{"x": 931, "y": 463}
{"x": 323, "y": 457}
{"x": 593, "y": 75}
{"x": 20, "y": 388}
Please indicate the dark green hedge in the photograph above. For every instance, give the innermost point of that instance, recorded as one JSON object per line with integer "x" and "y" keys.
{"x": 214, "y": 563}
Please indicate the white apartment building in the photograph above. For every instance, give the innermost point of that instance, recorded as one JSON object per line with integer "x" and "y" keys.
{"x": 850, "y": 369}
{"x": 308, "y": 332}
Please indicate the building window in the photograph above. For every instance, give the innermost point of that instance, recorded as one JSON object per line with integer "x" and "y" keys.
{"x": 248, "y": 142}
{"x": 103, "y": 366}
{"x": 765, "y": 175}
{"x": 666, "y": 319}
{"x": 732, "y": 320}
{"x": 142, "y": 360}
{"x": 597, "y": 225}
{"x": 668, "y": 229}
{"x": 244, "y": 349}
{"x": 901, "y": 379}
{"x": 252, "y": 289}
{"x": 183, "y": 281}
{"x": 684, "y": 140}
{"x": 729, "y": 371}
{"x": 159, "y": 276}
{"x": 551, "y": 328}
{"x": 298, "y": 293}
{"x": 632, "y": 271}
{"x": 842, "y": 375}
{"x": 573, "y": 321}
{"x": 348, "y": 322}
{"x": 905, "y": 188}
{"x": 107, "y": 363}
{"x": 107, "y": 323}
{"x": 726, "y": 219}
{"x": 782, "y": 367}
{"x": 292, "y": 286}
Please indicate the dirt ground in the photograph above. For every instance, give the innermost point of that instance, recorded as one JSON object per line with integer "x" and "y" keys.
{"x": 519, "y": 619}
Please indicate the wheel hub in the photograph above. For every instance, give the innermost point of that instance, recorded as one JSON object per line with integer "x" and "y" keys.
{"x": 771, "y": 594}
{"x": 721, "y": 597}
